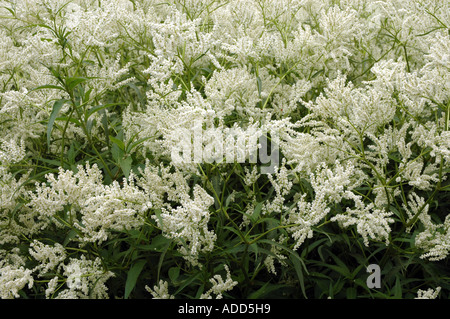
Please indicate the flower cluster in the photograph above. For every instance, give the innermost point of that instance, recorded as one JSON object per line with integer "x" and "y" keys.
{"x": 219, "y": 286}
{"x": 97, "y": 97}
{"x": 428, "y": 294}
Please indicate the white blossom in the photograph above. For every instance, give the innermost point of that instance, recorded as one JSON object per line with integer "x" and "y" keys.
{"x": 219, "y": 285}
{"x": 85, "y": 279}
{"x": 160, "y": 291}
{"x": 188, "y": 225}
{"x": 354, "y": 94}
{"x": 428, "y": 294}
{"x": 49, "y": 257}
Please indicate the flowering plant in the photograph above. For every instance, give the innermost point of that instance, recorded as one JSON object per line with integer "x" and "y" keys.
{"x": 98, "y": 99}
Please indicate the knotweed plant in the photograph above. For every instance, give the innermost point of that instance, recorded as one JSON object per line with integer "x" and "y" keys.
{"x": 224, "y": 148}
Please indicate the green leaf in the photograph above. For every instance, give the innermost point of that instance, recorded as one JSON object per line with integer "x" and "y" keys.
{"x": 215, "y": 181}
{"x": 187, "y": 282}
{"x": 264, "y": 290}
{"x": 55, "y": 72}
{"x": 100, "y": 107}
{"x": 395, "y": 156}
{"x": 125, "y": 165}
{"x": 237, "y": 232}
{"x": 132, "y": 276}
{"x": 140, "y": 96}
{"x": 105, "y": 126}
{"x": 116, "y": 153}
{"x": 130, "y": 147}
{"x": 319, "y": 275}
{"x": 56, "y": 108}
{"x": 158, "y": 243}
{"x": 343, "y": 270}
{"x": 311, "y": 247}
{"x": 298, "y": 269}
{"x": 356, "y": 271}
{"x": 341, "y": 266}
{"x": 174, "y": 273}
{"x": 351, "y": 293}
{"x": 71, "y": 83}
{"x": 48, "y": 86}
{"x": 296, "y": 261}
{"x": 230, "y": 198}
{"x": 233, "y": 250}
{"x": 50, "y": 161}
{"x": 70, "y": 119}
{"x": 270, "y": 221}
{"x": 397, "y": 290}
{"x": 254, "y": 248}
{"x": 255, "y": 215}
{"x": 118, "y": 142}
{"x": 161, "y": 259}
{"x": 70, "y": 235}
{"x": 336, "y": 288}
{"x": 259, "y": 83}
{"x": 71, "y": 154}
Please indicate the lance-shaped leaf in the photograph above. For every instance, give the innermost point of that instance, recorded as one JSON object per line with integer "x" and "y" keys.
{"x": 132, "y": 276}
{"x": 71, "y": 83}
{"x": 56, "y": 108}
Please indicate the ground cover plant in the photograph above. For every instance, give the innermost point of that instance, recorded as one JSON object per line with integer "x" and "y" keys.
{"x": 98, "y": 98}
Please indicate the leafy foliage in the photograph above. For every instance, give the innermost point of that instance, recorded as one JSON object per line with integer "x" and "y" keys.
{"x": 94, "y": 206}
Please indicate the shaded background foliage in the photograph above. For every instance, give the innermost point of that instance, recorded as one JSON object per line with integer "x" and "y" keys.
{"x": 88, "y": 95}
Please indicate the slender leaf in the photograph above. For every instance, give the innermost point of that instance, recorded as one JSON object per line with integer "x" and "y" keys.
{"x": 174, "y": 273}
{"x": 99, "y": 108}
{"x": 255, "y": 215}
{"x": 298, "y": 269}
{"x": 266, "y": 289}
{"x": 49, "y": 86}
{"x": 125, "y": 165}
{"x": 56, "y": 108}
{"x": 71, "y": 83}
{"x": 133, "y": 275}
{"x": 118, "y": 142}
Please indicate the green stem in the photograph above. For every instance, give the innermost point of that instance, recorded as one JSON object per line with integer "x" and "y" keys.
{"x": 222, "y": 208}
{"x": 85, "y": 130}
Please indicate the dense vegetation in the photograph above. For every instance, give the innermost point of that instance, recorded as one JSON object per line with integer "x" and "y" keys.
{"x": 97, "y": 96}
